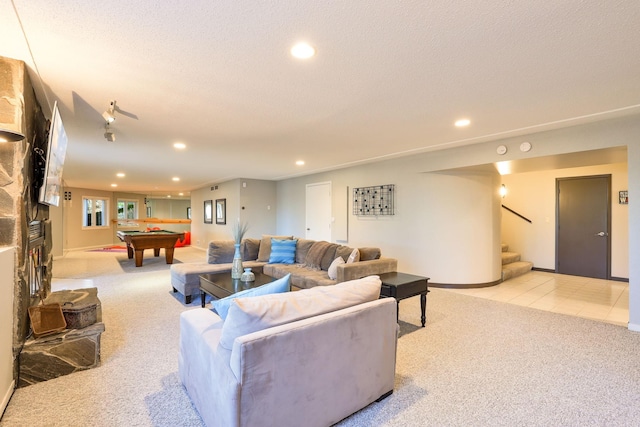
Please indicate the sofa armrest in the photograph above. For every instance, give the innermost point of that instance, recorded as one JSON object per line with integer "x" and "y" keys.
{"x": 357, "y": 270}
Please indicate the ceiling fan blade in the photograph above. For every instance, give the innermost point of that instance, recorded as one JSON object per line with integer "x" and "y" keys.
{"x": 125, "y": 113}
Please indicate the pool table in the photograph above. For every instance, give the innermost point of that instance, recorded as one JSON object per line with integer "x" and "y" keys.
{"x": 138, "y": 241}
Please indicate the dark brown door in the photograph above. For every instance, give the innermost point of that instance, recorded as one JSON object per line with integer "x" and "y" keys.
{"x": 583, "y": 245}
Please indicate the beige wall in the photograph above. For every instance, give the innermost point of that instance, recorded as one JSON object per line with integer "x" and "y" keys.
{"x": 75, "y": 237}
{"x": 67, "y": 218}
{"x": 533, "y": 195}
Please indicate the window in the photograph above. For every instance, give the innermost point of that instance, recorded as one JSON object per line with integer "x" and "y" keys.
{"x": 95, "y": 212}
{"x": 127, "y": 211}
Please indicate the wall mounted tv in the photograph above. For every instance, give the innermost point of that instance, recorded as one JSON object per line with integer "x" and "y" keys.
{"x": 56, "y": 151}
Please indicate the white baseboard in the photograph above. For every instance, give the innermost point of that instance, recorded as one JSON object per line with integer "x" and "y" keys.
{"x": 7, "y": 396}
{"x": 634, "y": 327}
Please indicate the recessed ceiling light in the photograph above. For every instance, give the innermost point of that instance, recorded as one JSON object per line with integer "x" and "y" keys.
{"x": 180, "y": 145}
{"x": 180, "y": 194}
{"x": 114, "y": 185}
{"x": 462, "y": 123}
{"x": 120, "y": 175}
{"x": 175, "y": 178}
{"x": 303, "y": 51}
{"x": 300, "y": 162}
{"x": 168, "y": 196}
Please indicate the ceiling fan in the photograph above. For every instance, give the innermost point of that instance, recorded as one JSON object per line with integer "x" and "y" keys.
{"x": 110, "y": 116}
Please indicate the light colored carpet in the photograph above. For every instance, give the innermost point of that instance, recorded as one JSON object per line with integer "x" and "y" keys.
{"x": 477, "y": 363}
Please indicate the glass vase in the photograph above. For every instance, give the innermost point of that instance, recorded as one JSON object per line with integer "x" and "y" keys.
{"x": 236, "y": 266}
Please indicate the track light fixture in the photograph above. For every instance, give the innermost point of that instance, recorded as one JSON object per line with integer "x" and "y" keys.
{"x": 108, "y": 133}
{"x": 109, "y": 114}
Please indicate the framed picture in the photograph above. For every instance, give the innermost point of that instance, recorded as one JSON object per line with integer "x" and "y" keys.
{"x": 221, "y": 211}
{"x": 189, "y": 213}
{"x": 623, "y": 197}
{"x": 208, "y": 211}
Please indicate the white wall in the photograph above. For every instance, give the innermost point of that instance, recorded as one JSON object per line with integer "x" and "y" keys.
{"x": 533, "y": 194}
{"x": 446, "y": 224}
{"x": 7, "y": 263}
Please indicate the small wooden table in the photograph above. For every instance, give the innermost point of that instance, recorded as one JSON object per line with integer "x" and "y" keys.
{"x": 402, "y": 285}
{"x": 221, "y": 285}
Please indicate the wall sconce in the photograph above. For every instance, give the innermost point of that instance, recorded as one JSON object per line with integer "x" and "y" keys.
{"x": 7, "y": 135}
{"x": 503, "y": 190}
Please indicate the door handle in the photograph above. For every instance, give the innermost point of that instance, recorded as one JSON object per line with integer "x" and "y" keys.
{"x": 601, "y": 234}
{"x": 308, "y": 229}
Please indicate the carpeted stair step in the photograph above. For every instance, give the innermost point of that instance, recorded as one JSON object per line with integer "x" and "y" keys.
{"x": 509, "y": 257}
{"x": 515, "y": 269}
{"x": 505, "y": 247}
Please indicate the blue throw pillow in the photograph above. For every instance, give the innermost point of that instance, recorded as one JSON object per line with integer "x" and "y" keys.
{"x": 283, "y": 251}
{"x": 221, "y": 306}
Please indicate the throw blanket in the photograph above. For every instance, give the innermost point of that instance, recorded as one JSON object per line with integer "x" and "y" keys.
{"x": 315, "y": 254}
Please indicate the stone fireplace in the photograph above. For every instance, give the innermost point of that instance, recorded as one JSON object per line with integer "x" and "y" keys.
{"x": 24, "y": 223}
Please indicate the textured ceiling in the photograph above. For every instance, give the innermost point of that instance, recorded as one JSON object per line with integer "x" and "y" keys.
{"x": 388, "y": 78}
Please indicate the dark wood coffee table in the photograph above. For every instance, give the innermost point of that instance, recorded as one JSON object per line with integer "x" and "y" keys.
{"x": 221, "y": 285}
{"x": 402, "y": 285}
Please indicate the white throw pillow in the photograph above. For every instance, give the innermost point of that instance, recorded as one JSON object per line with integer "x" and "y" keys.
{"x": 333, "y": 268}
{"x": 252, "y": 314}
{"x": 354, "y": 257}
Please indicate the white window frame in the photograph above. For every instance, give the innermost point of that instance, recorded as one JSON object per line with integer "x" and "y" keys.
{"x": 105, "y": 212}
{"x": 125, "y": 222}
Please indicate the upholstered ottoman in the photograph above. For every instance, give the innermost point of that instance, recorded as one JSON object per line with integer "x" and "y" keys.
{"x": 185, "y": 278}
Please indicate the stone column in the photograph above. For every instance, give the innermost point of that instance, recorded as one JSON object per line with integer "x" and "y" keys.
{"x": 20, "y": 111}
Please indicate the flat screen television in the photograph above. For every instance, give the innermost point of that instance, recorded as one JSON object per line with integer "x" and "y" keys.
{"x": 56, "y": 152}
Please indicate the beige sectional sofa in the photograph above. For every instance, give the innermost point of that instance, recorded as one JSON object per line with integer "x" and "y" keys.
{"x": 304, "y": 273}
{"x": 307, "y": 358}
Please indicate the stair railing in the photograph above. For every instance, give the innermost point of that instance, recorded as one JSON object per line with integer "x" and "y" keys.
{"x": 517, "y": 214}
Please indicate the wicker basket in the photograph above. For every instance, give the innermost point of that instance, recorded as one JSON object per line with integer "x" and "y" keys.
{"x": 46, "y": 319}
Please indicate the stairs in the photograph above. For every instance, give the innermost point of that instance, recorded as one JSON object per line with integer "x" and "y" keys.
{"x": 512, "y": 266}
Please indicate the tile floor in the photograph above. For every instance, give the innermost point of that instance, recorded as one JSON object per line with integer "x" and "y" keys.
{"x": 597, "y": 299}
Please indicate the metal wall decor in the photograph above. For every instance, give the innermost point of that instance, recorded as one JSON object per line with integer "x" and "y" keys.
{"x": 377, "y": 200}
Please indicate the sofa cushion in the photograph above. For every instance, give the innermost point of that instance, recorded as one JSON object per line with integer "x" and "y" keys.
{"x": 316, "y": 253}
{"x": 328, "y": 257}
{"x": 221, "y": 306}
{"x": 333, "y": 268}
{"x": 220, "y": 251}
{"x": 249, "y": 249}
{"x": 344, "y": 252}
{"x": 369, "y": 254}
{"x": 265, "y": 246}
{"x": 354, "y": 256}
{"x": 302, "y": 249}
{"x": 247, "y": 315}
{"x": 283, "y": 251}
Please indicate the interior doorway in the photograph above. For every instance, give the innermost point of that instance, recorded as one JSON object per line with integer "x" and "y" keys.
{"x": 318, "y": 211}
{"x": 583, "y": 241}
